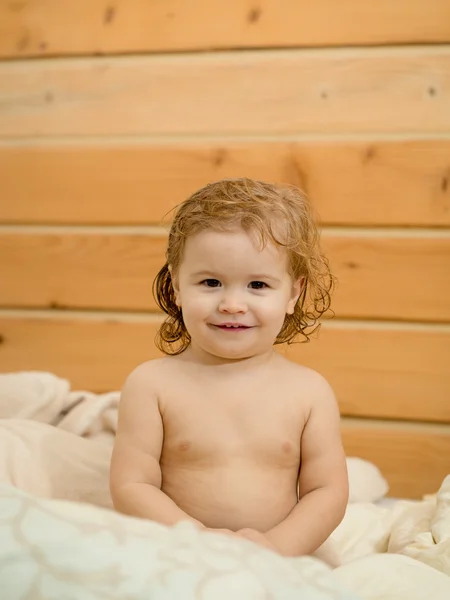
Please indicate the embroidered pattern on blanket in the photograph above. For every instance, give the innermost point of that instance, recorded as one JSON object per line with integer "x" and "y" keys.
{"x": 54, "y": 549}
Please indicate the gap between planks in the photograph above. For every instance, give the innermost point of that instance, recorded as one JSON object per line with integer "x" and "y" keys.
{"x": 356, "y": 231}
{"x": 234, "y": 55}
{"x": 201, "y": 138}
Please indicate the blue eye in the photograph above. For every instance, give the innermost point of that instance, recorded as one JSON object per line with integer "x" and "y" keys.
{"x": 211, "y": 283}
{"x": 258, "y": 285}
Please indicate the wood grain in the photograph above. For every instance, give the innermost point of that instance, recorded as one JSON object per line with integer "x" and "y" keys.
{"x": 387, "y": 372}
{"x": 383, "y": 277}
{"x": 384, "y": 370}
{"x": 359, "y": 90}
{"x": 79, "y": 270}
{"x": 52, "y": 27}
{"x": 414, "y": 460}
{"x": 391, "y": 276}
{"x": 366, "y": 182}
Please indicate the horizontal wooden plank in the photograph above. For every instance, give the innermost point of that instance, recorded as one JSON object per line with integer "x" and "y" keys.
{"x": 366, "y": 182}
{"x": 52, "y": 27}
{"x": 380, "y": 276}
{"x": 266, "y": 92}
{"x": 79, "y": 270}
{"x": 387, "y": 372}
{"x": 414, "y": 460}
{"x": 390, "y": 277}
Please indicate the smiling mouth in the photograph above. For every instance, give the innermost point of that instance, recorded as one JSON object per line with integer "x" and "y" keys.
{"x": 232, "y": 327}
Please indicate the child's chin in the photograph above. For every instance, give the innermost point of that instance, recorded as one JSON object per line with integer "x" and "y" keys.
{"x": 228, "y": 354}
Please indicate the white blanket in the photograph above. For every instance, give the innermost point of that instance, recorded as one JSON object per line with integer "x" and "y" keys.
{"x": 420, "y": 530}
{"x": 55, "y": 549}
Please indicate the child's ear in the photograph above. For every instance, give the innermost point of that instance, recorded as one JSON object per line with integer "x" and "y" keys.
{"x": 175, "y": 286}
{"x": 297, "y": 288}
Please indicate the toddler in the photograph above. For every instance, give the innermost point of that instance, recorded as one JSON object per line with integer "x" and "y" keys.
{"x": 224, "y": 431}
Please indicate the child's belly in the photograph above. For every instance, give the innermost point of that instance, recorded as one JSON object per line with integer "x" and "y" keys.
{"x": 233, "y": 496}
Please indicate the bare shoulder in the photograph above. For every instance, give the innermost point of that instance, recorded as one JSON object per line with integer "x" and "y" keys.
{"x": 141, "y": 387}
{"x": 311, "y": 384}
{"x": 147, "y": 374}
{"x": 303, "y": 375}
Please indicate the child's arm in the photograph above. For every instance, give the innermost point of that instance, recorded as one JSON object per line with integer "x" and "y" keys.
{"x": 323, "y": 481}
{"x": 135, "y": 475}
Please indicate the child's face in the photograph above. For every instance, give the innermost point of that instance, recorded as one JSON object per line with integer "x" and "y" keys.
{"x": 225, "y": 278}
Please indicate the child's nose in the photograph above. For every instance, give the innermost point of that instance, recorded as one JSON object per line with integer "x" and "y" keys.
{"x": 232, "y": 303}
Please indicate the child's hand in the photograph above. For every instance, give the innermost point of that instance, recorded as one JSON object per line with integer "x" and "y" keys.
{"x": 250, "y": 534}
{"x": 226, "y": 532}
{"x": 257, "y": 537}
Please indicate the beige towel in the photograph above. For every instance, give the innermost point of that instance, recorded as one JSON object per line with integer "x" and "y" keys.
{"x": 52, "y": 463}
{"x": 32, "y": 395}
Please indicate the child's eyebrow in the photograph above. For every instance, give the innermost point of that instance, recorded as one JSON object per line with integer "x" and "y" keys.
{"x": 204, "y": 274}
{"x": 260, "y": 276}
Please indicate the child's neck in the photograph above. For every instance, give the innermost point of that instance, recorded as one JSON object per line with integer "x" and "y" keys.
{"x": 198, "y": 356}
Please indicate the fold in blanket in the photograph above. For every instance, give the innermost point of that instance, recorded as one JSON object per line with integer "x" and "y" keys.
{"x": 420, "y": 530}
{"x": 44, "y": 397}
{"x": 52, "y": 463}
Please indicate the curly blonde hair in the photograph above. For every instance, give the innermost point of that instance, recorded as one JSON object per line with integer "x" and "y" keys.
{"x": 281, "y": 215}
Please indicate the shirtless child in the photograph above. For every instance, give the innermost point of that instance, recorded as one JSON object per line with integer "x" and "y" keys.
{"x": 223, "y": 430}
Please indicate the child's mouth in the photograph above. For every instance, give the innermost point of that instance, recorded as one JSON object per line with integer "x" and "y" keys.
{"x": 232, "y": 327}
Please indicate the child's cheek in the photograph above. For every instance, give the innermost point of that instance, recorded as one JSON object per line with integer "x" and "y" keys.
{"x": 201, "y": 305}
{"x": 273, "y": 311}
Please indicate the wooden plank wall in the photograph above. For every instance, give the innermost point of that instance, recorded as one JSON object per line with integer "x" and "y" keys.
{"x": 113, "y": 112}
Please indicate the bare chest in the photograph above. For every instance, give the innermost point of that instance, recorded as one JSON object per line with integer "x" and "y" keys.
{"x": 248, "y": 426}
